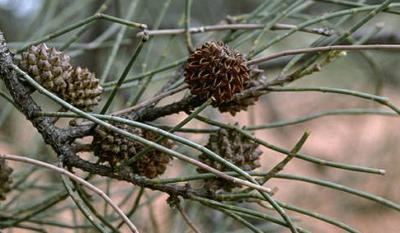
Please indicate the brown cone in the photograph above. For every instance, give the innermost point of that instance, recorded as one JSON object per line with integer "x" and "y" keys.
{"x": 233, "y": 147}
{"x": 215, "y": 70}
{"x": 5, "y": 179}
{"x": 47, "y": 66}
{"x": 83, "y": 89}
{"x": 115, "y": 148}
{"x": 51, "y": 68}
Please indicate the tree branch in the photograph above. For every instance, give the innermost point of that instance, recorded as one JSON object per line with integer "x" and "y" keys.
{"x": 60, "y": 139}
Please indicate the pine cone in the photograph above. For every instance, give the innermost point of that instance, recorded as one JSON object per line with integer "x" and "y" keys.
{"x": 49, "y": 67}
{"x": 236, "y": 105}
{"x": 115, "y": 148}
{"x": 5, "y": 179}
{"x": 83, "y": 89}
{"x": 215, "y": 70}
{"x": 233, "y": 147}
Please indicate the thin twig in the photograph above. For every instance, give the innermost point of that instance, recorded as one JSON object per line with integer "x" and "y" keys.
{"x": 117, "y": 43}
{"x": 343, "y": 188}
{"x": 279, "y": 167}
{"x": 81, "y": 23}
{"x": 188, "y": 36}
{"x": 213, "y": 203}
{"x": 144, "y": 83}
{"x": 322, "y": 49}
{"x": 240, "y": 219}
{"x": 134, "y": 207}
{"x": 355, "y": 4}
{"x": 103, "y": 7}
{"x": 148, "y": 73}
{"x": 245, "y": 197}
{"x": 240, "y": 26}
{"x": 123, "y": 76}
{"x": 152, "y": 216}
{"x": 319, "y": 19}
{"x": 350, "y": 111}
{"x": 75, "y": 178}
{"x": 379, "y": 99}
{"x": 286, "y": 9}
{"x": 82, "y": 206}
{"x": 187, "y": 219}
{"x": 150, "y": 101}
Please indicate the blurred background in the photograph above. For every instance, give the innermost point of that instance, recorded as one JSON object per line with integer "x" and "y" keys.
{"x": 367, "y": 140}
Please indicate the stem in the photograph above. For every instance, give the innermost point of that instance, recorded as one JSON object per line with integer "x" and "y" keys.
{"x": 187, "y": 219}
{"x": 75, "y": 178}
{"x": 123, "y": 76}
{"x": 103, "y": 7}
{"x": 143, "y": 75}
{"x": 82, "y": 206}
{"x": 117, "y": 43}
{"x": 323, "y": 49}
{"x": 135, "y": 206}
{"x": 319, "y": 19}
{"x": 257, "y": 214}
{"x": 355, "y": 4}
{"x": 121, "y": 21}
{"x": 239, "y": 26}
{"x": 241, "y": 220}
{"x": 80, "y": 24}
{"x": 279, "y": 167}
{"x": 378, "y": 99}
{"x": 351, "y": 111}
{"x": 188, "y": 36}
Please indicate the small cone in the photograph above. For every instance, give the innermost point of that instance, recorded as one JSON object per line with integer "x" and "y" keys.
{"x": 47, "y": 66}
{"x": 83, "y": 89}
{"x": 233, "y": 147}
{"x": 215, "y": 70}
{"x": 51, "y": 68}
{"x": 115, "y": 148}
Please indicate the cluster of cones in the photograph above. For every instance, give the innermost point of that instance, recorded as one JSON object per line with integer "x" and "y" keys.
{"x": 52, "y": 69}
{"x": 212, "y": 71}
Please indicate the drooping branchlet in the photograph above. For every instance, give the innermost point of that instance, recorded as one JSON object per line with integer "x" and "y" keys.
{"x": 217, "y": 71}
